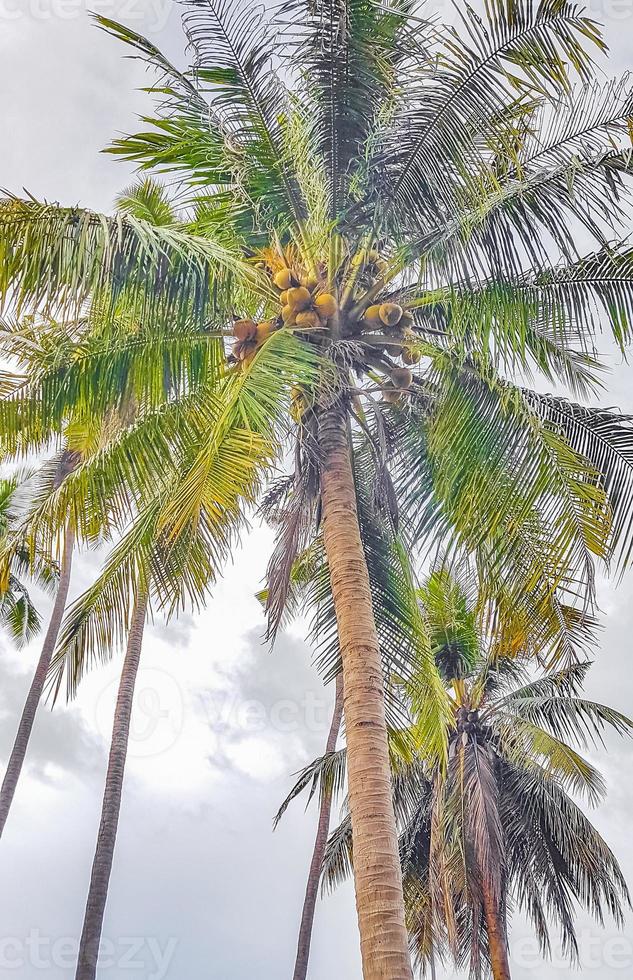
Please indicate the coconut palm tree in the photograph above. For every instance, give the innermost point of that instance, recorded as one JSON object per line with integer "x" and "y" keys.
{"x": 363, "y": 193}
{"x": 500, "y": 828}
{"x": 143, "y": 567}
{"x": 22, "y": 608}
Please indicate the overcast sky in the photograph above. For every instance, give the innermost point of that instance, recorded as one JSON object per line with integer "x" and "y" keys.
{"x": 201, "y": 887}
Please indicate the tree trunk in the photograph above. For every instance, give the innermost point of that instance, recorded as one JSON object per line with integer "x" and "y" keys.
{"x": 377, "y": 873}
{"x": 497, "y": 939}
{"x": 104, "y": 853}
{"x": 18, "y": 753}
{"x": 323, "y": 826}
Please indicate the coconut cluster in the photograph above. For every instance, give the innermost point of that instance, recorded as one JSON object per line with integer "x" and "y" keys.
{"x": 303, "y": 303}
{"x": 392, "y": 319}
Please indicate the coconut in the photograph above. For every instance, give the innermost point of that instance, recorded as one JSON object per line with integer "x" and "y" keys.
{"x": 244, "y": 329}
{"x": 372, "y": 317}
{"x": 310, "y": 282}
{"x": 264, "y": 331}
{"x": 326, "y": 305}
{"x": 390, "y": 314}
{"x": 401, "y": 377}
{"x": 288, "y": 315}
{"x": 308, "y": 318}
{"x": 283, "y": 298}
{"x": 410, "y": 356}
{"x": 299, "y": 298}
{"x": 283, "y": 279}
{"x": 391, "y": 396}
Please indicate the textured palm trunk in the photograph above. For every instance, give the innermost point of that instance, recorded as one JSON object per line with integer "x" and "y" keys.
{"x": 106, "y": 840}
{"x": 497, "y": 939}
{"x": 377, "y": 874}
{"x": 323, "y": 826}
{"x": 20, "y": 746}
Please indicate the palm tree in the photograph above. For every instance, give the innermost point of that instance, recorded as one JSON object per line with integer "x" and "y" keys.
{"x": 318, "y": 853}
{"x": 499, "y": 829}
{"x": 143, "y": 566}
{"x": 27, "y": 719}
{"x": 363, "y": 193}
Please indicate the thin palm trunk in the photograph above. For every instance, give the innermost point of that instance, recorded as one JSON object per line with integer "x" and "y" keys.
{"x": 20, "y": 746}
{"x": 377, "y": 874}
{"x": 106, "y": 840}
{"x": 323, "y": 826}
{"x": 497, "y": 940}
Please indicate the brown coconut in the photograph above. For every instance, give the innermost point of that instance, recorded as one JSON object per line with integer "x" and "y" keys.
{"x": 401, "y": 377}
{"x": 410, "y": 356}
{"x": 244, "y": 329}
{"x": 288, "y": 315}
{"x": 264, "y": 331}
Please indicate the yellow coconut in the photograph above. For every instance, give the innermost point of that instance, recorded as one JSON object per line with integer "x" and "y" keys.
{"x": 401, "y": 377}
{"x": 372, "y": 317}
{"x": 283, "y": 298}
{"x": 390, "y": 314}
{"x": 299, "y": 298}
{"x": 264, "y": 331}
{"x": 244, "y": 329}
{"x": 308, "y": 318}
{"x": 326, "y": 305}
{"x": 283, "y": 279}
{"x": 310, "y": 282}
{"x": 288, "y": 315}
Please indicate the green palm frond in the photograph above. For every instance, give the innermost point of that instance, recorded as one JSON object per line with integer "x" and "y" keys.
{"x": 233, "y": 65}
{"x": 18, "y": 614}
{"x": 148, "y": 201}
{"x": 57, "y": 258}
{"x": 252, "y": 408}
{"x": 346, "y": 56}
{"x": 325, "y": 774}
{"x": 522, "y": 741}
{"x": 436, "y": 137}
{"x": 525, "y": 498}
